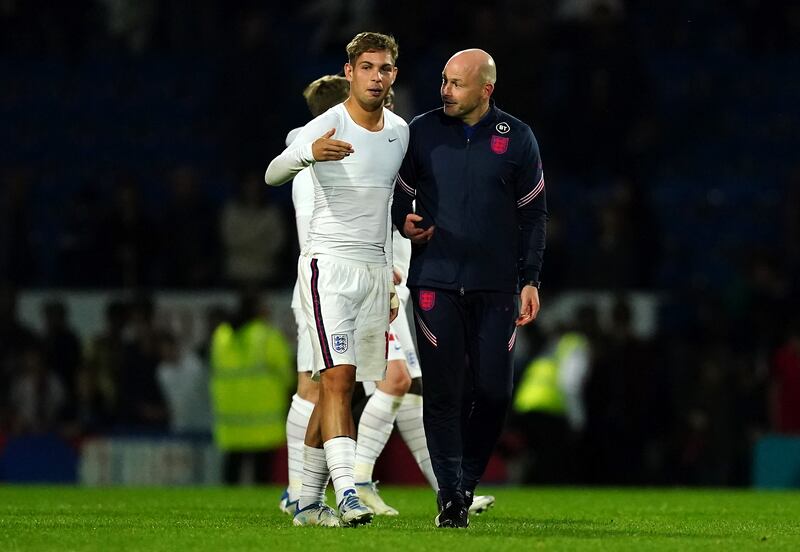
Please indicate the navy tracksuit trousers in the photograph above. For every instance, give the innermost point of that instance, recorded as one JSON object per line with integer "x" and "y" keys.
{"x": 465, "y": 344}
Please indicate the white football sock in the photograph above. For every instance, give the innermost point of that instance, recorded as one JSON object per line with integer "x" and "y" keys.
{"x": 296, "y": 425}
{"x": 315, "y": 476}
{"x": 341, "y": 455}
{"x": 374, "y": 429}
{"x": 409, "y": 423}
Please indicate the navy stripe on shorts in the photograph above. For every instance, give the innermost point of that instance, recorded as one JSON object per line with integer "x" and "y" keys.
{"x": 327, "y": 359}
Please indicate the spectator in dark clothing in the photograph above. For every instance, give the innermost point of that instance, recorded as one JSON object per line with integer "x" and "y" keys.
{"x": 37, "y": 396}
{"x": 99, "y": 387}
{"x": 766, "y": 292}
{"x": 708, "y": 433}
{"x": 62, "y": 353}
{"x": 15, "y": 338}
{"x": 141, "y": 404}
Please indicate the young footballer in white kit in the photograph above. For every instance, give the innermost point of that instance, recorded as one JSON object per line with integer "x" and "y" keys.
{"x": 354, "y": 151}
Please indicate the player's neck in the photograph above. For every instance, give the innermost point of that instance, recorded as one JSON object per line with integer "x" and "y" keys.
{"x": 363, "y": 117}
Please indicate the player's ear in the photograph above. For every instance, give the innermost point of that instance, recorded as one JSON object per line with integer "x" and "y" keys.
{"x": 348, "y": 72}
{"x": 394, "y": 74}
{"x": 488, "y": 88}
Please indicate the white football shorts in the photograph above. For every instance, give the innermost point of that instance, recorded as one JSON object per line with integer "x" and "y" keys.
{"x": 305, "y": 349}
{"x": 346, "y": 306}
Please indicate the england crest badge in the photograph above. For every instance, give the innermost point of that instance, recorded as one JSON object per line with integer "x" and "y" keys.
{"x": 339, "y": 343}
{"x": 427, "y": 299}
{"x": 499, "y": 144}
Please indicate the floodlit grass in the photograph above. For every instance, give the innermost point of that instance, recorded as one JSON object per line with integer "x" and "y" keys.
{"x": 180, "y": 519}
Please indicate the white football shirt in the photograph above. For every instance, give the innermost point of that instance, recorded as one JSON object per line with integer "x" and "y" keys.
{"x": 351, "y": 196}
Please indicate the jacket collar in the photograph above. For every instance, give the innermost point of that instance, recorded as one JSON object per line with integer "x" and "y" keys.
{"x": 489, "y": 117}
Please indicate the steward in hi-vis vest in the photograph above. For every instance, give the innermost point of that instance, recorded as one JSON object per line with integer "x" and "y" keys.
{"x": 251, "y": 376}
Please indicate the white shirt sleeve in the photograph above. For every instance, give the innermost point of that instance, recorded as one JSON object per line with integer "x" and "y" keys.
{"x": 292, "y": 135}
{"x": 289, "y": 163}
{"x": 298, "y": 155}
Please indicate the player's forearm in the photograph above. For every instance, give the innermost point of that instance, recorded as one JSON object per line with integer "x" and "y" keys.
{"x": 287, "y": 164}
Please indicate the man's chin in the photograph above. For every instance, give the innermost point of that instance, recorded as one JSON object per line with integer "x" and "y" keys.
{"x": 372, "y": 103}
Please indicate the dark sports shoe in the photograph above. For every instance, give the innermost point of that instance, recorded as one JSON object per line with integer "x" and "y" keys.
{"x": 453, "y": 512}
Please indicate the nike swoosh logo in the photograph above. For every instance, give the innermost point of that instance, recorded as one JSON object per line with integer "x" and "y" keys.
{"x": 392, "y": 139}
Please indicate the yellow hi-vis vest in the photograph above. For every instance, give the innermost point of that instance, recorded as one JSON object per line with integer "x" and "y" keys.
{"x": 251, "y": 371}
{"x": 539, "y": 389}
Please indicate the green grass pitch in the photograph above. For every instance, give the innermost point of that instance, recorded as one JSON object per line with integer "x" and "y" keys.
{"x": 196, "y": 519}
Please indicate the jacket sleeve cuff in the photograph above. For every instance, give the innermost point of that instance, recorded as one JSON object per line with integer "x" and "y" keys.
{"x": 529, "y": 277}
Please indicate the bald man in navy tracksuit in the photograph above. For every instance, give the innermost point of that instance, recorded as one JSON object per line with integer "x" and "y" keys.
{"x": 478, "y": 235}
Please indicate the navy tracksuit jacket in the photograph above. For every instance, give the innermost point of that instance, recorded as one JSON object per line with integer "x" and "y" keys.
{"x": 483, "y": 189}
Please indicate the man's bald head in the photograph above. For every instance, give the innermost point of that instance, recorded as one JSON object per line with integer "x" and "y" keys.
{"x": 475, "y": 61}
{"x": 467, "y": 85}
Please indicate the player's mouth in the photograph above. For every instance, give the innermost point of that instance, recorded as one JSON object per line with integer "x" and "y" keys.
{"x": 448, "y": 103}
{"x": 374, "y": 92}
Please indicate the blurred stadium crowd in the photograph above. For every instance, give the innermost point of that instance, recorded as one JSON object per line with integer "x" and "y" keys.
{"x": 134, "y": 135}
